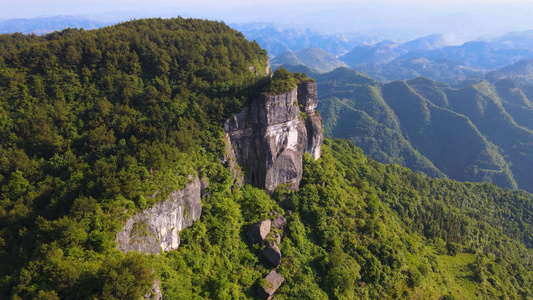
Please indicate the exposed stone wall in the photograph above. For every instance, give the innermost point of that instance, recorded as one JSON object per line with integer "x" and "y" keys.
{"x": 268, "y": 138}
{"x": 158, "y": 227}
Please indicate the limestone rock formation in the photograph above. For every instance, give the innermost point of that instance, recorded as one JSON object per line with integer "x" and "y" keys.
{"x": 157, "y": 228}
{"x": 271, "y": 283}
{"x": 269, "y": 136}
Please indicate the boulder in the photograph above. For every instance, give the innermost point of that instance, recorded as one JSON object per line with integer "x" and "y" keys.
{"x": 259, "y": 231}
{"x": 279, "y": 223}
{"x": 269, "y": 286}
{"x": 272, "y": 254}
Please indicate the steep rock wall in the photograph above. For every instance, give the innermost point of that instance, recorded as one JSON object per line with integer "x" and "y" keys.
{"x": 308, "y": 101}
{"x": 158, "y": 227}
{"x": 269, "y": 136}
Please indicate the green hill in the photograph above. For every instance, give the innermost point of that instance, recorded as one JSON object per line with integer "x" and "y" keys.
{"x": 320, "y": 61}
{"x": 467, "y": 134}
{"x": 521, "y": 71}
{"x": 516, "y": 101}
{"x": 300, "y": 69}
{"x": 368, "y": 54}
{"x": 372, "y": 125}
{"x": 288, "y": 58}
{"x": 99, "y": 125}
{"x": 93, "y": 125}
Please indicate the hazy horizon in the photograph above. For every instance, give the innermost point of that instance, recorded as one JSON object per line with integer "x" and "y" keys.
{"x": 395, "y": 20}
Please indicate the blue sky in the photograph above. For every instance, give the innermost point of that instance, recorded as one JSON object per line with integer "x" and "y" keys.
{"x": 457, "y": 18}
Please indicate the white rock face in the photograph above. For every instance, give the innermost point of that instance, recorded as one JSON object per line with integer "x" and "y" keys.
{"x": 269, "y": 136}
{"x": 158, "y": 227}
{"x": 292, "y": 139}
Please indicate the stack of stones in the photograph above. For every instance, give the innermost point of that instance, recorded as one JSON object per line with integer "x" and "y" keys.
{"x": 269, "y": 233}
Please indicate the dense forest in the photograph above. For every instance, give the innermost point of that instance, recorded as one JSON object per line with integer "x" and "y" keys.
{"x": 94, "y": 123}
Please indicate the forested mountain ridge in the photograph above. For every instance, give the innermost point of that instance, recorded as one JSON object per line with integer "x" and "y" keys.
{"x": 478, "y": 133}
{"x": 520, "y": 71}
{"x": 98, "y": 125}
{"x": 93, "y": 124}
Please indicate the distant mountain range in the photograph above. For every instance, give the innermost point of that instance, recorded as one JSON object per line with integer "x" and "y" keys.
{"x": 521, "y": 72}
{"x": 514, "y": 40}
{"x": 277, "y": 39}
{"x": 482, "y": 132}
{"x": 427, "y": 56}
{"x": 452, "y": 64}
{"x": 47, "y": 24}
{"x": 315, "y": 58}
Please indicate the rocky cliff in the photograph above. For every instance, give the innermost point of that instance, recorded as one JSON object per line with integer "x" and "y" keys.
{"x": 269, "y": 136}
{"x": 157, "y": 229}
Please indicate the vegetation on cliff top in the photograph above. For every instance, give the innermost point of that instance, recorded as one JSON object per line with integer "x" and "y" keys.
{"x": 283, "y": 81}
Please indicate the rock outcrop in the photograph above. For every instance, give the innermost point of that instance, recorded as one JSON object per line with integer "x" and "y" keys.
{"x": 308, "y": 101}
{"x": 158, "y": 227}
{"x": 269, "y": 286}
{"x": 258, "y": 233}
{"x": 269, "y": 136}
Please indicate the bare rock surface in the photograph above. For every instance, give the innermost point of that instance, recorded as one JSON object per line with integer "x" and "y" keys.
{"x": 269, "y": 136}
{"x": 158, "y": 227}
{"x": 271, "y": 283}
